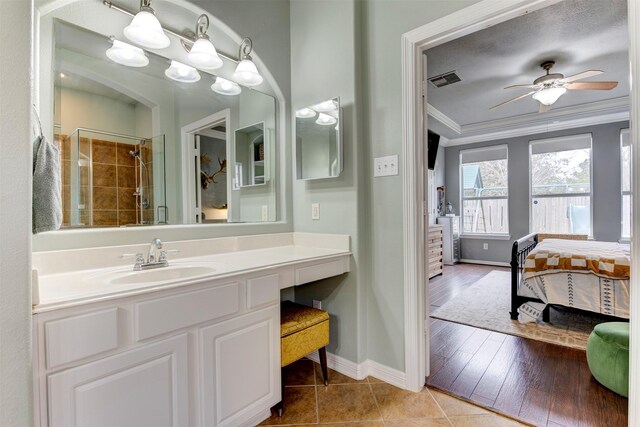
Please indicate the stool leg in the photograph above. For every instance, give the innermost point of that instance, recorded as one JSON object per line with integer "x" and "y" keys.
{"x": 323, "y": 364}
{"x": 280, "y": 405}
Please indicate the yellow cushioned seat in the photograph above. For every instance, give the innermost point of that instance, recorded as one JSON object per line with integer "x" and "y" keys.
{"x": 303, "y": 330}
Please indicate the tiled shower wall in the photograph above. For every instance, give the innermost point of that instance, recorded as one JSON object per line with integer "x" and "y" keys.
{"x": 115, "y": 178}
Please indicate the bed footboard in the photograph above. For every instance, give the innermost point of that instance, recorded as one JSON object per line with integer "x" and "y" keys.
{"x": 519, "y": 252}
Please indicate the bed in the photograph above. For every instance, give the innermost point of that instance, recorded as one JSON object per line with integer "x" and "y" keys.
{"x": 569, "y": 271}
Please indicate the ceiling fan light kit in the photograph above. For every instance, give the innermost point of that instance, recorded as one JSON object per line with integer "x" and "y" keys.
{"x": 548, "y": 88}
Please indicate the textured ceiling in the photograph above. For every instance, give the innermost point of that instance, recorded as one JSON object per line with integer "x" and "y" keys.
{"x": 578, "y": 34}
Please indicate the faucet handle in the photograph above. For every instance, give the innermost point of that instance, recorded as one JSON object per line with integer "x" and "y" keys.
{"x": 136, "y": 255}
{"x": 164, "y": 252}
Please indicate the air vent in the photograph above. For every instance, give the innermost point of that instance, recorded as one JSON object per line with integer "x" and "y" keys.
{"x": 445, "y": 79}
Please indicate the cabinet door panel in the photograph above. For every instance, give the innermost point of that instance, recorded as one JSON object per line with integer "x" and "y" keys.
{"x": 142, "y": 387}
{"x": 240, "y": 367}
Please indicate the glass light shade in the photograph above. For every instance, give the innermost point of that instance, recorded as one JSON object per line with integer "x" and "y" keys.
{"x": 326, "y": 106}
{"x": 305, "y": 113}
{"x": 182, "y": 73}
{"x": 225, "y": 87}
{"x": 247, "y": 74}
{"x": 204, "y": 55}
{"x": 326, "y": 120}
{"x": 145, "y": 30}
{"x": 549, "y": 96}
{"x": 126, "y": 54}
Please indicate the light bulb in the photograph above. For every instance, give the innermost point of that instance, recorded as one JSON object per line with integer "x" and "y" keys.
{"x": 246, "y": 73}
{"x": 182, "y": 73}
{"x": 204, "y": 55}
{"x": 305, "y": 113}
{"x": 225, "y": 87}
{"x": 145, "y": 30}
{"x": 126, "y": 54}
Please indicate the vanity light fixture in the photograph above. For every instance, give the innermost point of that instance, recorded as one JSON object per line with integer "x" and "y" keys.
{"x": 305, "y": 113}
{"x": 326, "y": 106}
{"x": 326, "y": 120}
{"x": 145, "y": 29}
{"x": 126, "y": 54}
{"x": 182, "y": 73}
{"x": 246, "y": 72}
{"x": 203, "y": 54}
{"x": 225, "y": 87}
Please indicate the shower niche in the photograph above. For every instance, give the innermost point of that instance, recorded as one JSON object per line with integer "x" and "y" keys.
{"x": 111, "y": 179}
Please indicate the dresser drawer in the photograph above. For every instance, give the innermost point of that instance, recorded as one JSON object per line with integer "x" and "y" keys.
{"x": 78, "y": 337}
{"x": 160, "y": 316}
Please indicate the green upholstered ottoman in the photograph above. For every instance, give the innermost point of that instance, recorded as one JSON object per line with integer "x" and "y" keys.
{"x": 608, "y": 356}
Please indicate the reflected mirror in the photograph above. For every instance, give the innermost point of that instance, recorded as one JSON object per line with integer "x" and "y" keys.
{"x": 251, "y": 157}
{"x": 319, "y": 140}
{"x": 149, "y": 143}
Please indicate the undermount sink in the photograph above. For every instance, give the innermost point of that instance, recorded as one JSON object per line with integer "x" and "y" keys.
{"x": 162, "y": 274}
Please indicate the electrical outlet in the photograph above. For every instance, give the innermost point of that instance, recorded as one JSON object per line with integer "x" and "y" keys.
{"x": 265, "y": 213}
{"x": 317, "y": 304}
{"x": 485, "y": 246}
{"x": 385, "y": 166}
{"x": 315, "y": 211}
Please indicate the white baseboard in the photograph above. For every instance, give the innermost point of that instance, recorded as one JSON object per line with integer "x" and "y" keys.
{"x": 481, "y": 262}
{"x": 360, "y": 371}
{"x": 257, "y": 419}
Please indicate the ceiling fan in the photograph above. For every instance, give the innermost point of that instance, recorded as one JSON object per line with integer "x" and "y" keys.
{"x": 548, "y": 88}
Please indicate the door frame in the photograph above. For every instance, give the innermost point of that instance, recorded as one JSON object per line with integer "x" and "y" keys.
{"x": 188, "y": 133}
{"x": 414, "y": 121}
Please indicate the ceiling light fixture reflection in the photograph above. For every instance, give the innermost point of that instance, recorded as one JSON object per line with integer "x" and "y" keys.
{"x": 182, "y": 73}
{"x": 203, "y": 54}
{"x": 145, "y": 29}
{"x": 326, "y": 106}
{"x": 246, "y": 72}
{"x": 225, "y": 87}
{"x": 550, "y": 95}
{"x": 326, "y": 120}
{"x": 126, "y": 54}
{"x": 305, "y": 113}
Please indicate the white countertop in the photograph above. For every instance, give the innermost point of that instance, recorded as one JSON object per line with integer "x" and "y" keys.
{"x": 70, "y": 288}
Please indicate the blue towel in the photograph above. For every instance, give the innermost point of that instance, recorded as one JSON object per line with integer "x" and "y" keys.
{"x": 47, "y": 195}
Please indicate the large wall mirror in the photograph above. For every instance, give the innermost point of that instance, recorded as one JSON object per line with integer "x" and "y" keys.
{"x": 147, "y": 139}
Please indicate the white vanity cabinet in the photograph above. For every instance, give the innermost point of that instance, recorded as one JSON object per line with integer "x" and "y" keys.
{"x": 202, "y": 355}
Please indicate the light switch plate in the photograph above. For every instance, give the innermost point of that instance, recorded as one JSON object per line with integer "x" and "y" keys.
{"x": 315, "y": 211}
{"x": 385, "y": 166}
{"x": 317, "y": 304}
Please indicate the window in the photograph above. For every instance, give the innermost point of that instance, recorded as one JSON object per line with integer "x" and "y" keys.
{"x": 485, "y": 190}
{"x": 625, "y": 160}
{"x": 561, "y": 185}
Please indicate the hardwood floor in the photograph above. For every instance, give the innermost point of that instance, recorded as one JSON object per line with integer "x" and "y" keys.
{"x": 541, "y": 383}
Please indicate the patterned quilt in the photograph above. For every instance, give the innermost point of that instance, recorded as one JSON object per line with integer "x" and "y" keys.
{"x": 588, "y": 275}
{"x": 604, "y": 259}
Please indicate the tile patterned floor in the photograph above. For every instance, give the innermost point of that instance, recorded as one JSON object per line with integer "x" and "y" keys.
{"x": 347, "y": 402}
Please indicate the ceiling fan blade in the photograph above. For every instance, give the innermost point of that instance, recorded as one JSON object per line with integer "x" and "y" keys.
{"x": 512, "y": 100}
{"x": 543, "y": 108}
{"x": 592, "y": 85}
{"x": 582, "y": 75}
{"x": 519, "y": 86}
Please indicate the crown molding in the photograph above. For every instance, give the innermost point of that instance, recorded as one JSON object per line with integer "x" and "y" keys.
{"x": 542, "y": 128}
{"x": 444, "y": 119}
{"x": 590, "y": 114}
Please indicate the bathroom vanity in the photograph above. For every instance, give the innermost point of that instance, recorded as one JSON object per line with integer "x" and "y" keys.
{"x": 195, "y": 343}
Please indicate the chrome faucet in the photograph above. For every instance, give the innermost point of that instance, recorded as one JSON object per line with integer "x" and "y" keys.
{"x": 156, "y": 258}
{"x": 154, "y": 247}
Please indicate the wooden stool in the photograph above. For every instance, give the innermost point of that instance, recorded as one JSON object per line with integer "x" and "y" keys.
{"x": 303, "y": 330}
